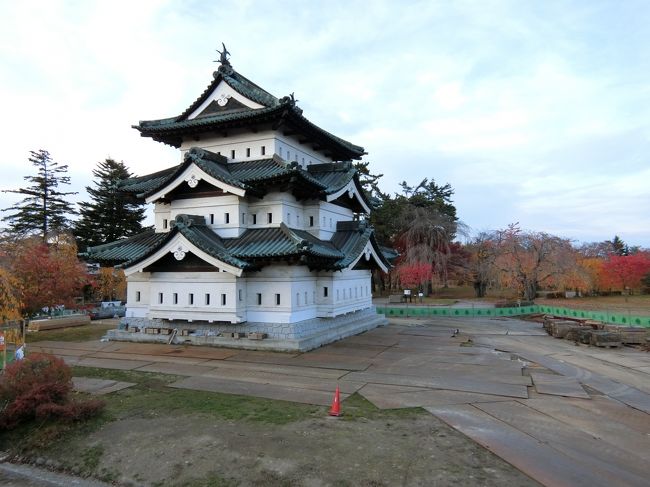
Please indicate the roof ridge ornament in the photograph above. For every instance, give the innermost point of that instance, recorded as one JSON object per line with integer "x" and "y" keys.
{"x": 225, "y": 66}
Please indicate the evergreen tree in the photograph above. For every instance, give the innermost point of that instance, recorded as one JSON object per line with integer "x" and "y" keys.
{"x": 111, "y": 214}
{"x": 44, "y": 209}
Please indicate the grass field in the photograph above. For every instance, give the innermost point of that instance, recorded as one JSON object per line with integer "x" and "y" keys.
{"x": 94, "y": 331}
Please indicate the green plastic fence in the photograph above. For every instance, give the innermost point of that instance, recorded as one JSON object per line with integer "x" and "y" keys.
{"x": 604, "y": 316}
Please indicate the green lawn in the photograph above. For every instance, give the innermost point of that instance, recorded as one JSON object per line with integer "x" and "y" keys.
{"x": 84, "y": 333}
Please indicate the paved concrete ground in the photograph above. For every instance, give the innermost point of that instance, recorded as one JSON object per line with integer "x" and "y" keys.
{"x": 562, "y": 414}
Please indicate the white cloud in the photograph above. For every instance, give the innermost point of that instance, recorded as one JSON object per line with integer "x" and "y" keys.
{"x": 504, "y": 100}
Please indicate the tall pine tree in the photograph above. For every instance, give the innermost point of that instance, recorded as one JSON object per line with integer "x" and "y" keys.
{"x": 44, "y": 209}
{"x": 111, "y": 214}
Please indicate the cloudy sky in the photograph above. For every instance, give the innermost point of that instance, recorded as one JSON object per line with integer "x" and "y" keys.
{"x": 536, "y": 112}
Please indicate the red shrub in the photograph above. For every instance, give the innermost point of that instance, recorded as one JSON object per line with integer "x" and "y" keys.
{"x": 38, "y": 387}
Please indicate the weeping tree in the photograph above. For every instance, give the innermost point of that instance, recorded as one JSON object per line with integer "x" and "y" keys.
{"x": 420, "y": 222}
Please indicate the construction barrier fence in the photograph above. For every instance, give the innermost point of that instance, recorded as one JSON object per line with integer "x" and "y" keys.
{"x": 615, "y": 318}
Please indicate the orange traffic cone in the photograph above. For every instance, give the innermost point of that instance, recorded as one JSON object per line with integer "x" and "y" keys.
{"x": 336, "y": 403}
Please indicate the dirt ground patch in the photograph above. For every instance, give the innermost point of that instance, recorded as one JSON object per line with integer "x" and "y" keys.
{"x": 196, "y": 450}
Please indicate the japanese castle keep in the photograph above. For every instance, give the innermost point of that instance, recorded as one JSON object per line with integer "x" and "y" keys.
{"x": 259, "y": 231}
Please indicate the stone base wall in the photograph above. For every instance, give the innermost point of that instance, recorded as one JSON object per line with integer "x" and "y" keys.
{"x": 301, "y": 336}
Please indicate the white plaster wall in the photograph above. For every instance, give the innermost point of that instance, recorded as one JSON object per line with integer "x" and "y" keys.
{"x": 301, "y": 295}
{"x": 243, "y": 144}
{"x": 352, "y": 291}
{"x": 199, "y": 284}
{"x": 328, "y": 215}
{"x": 248, "y": 147}
{"x": 137, "y": 283}
{"x": 290, "y": 149}
{"x": 287, "y": 281}
{"x": 162, "y": 218}
{"x": 217, "y": 206}
{"x": 281, "y": 205}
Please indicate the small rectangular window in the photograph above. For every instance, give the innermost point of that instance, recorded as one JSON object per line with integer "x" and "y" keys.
{"x": 175, "y": 298}
{"x": 288, "y": 218}
{"x": 160, "y": 298}
{"x": 211, "y": 218}
{"x": 223, "y": 300}
{"x": 259, "y": 299}
{"x": 164, "y": 222}
{"x": 190, "y": 299}
{"x": 248, "y": 152}
{"x": 269, "y": 217}
{"x": 232, "y": 154}
{"x": 241, "y": 295}
{"x": 263, "y": 150}
{"x": 306, "y": 298}
{"x": 137, "y": 296}
{"x": 325, "y": 291}
{"x": 323, "y": 222}
{"x": 311, "y": 221}
{"x": 254, "y": 216}
{"x": 227, "y": 217}
{"x": 243, "y": 218}
{"x": 207, "y": 299}
{"x": 277, "y": 299}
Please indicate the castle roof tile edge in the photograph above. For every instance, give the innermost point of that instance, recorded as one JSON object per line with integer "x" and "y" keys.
{"x": 259, "y": 171}
{"x": 237, "y": 82}
{"x": 255, "y": 244}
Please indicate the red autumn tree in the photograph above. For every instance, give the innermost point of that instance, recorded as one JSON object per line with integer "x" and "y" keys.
{"x": 49, "y": 275}
{"x": 414, "y": 275}
{"x": 625, "y": 271}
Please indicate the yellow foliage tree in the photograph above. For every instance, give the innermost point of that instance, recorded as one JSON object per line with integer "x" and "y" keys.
{"x": 111, "y": 284}
{"x": 10, "y": 293}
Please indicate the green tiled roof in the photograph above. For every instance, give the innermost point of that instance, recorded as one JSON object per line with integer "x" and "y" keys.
{"x": 237, "y": 82}
{"x": 194, "y": 229}
{"x": 127, "y": 249}
{"x": 277, "y": 111}
{"x": 255, "y": 176}
{"x": 280, "y": 242}
{"x": 247, "y": 251}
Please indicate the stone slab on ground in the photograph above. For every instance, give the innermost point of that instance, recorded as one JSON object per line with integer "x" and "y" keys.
{"x": 280, "y": 369}
{"x": 150, "y": 358}
{"x": 59, "y": 352}
{"x": 395, "y": 397}
{"x": 465, "y": 385}
{"x": 622, "y": 392}
{"x": 632, "y": 377}
{"x": 273, "y": 378}
{"x": 98, "y": 386}
{"x": 537, "y": 460}
{"x": 263, "y": 357}
{"x": 460, "y": 371}
{"x": 175, "y": 369}
{"x": 615, "y": 423}
{"x": 256, "y": 390}
{"x": 93, "y": 345}
{"x": 107, "y": 363}
{"x": 558, "y": 385}
{"x": 615, "y": 466}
